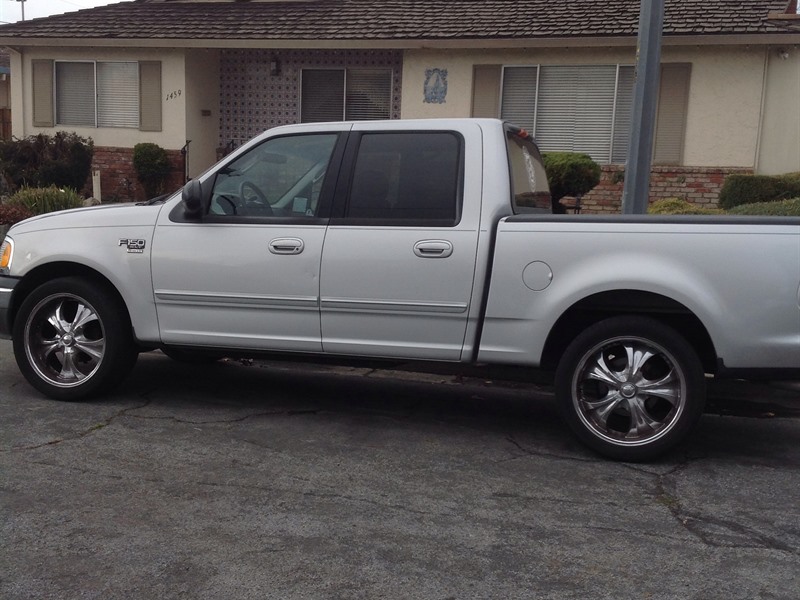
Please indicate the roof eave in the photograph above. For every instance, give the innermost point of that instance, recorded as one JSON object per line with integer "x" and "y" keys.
{"x": 405, "y": 44}
{"x": 788, "y": 21}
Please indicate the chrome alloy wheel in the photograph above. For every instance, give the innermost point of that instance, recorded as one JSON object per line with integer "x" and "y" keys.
{"x": 64, "y": 340}
{"x": 629, "y": 391}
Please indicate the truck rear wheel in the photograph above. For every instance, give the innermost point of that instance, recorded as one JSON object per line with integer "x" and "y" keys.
{"x": 630, "y": 388}
{"x": 73, "y": 339}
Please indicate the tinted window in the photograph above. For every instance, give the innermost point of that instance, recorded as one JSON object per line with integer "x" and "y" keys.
{"x": 411, "y": 177}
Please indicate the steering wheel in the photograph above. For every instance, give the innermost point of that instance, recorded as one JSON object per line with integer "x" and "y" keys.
{"x": 260, "y": 202}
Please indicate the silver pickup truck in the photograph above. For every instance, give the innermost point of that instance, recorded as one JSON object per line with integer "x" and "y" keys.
{"x": 415, "y": 240}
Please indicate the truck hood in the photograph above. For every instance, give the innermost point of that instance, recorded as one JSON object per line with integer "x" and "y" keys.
{"x": 111, "y": 215}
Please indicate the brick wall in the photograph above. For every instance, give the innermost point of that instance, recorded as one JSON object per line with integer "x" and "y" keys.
{"x": 118, "y": 180}
{"x": 699, "y": 185}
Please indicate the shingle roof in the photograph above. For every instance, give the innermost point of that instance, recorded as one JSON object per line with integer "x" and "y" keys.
{"x": 394, "y": 20}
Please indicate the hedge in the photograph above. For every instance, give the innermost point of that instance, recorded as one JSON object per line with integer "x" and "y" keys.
{"x": 678, "y": 206}
{"x": 63, "y": 160}
{"x": 570, "y": 174}
{"x": 11, "y": 214}
{"x": 152, "y": 166}
{"x": 782, "y": 208}
{"x": 749, "y": 189}
{"x": 44, "y": 200}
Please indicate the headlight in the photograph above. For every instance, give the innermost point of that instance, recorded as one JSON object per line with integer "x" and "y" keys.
{"x": 6, "y": 253}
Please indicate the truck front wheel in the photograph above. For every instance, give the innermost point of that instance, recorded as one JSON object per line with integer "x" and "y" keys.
{"x": 630, "y": 388}
{"x": 72, "y": 339}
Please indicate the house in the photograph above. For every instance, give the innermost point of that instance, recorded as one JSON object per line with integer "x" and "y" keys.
{"x": 201, "y": 77}
{"x": 5, "y": 98}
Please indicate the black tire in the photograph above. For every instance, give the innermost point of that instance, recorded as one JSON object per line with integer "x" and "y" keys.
{"x": 630, "y": 388}
{"x": 73, "y": 339}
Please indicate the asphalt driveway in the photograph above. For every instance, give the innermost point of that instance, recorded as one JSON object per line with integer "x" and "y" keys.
{"x": 268, "y": 481}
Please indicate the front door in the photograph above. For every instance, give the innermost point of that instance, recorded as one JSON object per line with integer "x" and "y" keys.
{"x": 247, "y": 275}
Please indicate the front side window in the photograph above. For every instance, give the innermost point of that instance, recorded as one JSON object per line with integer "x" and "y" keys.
{"x": 97, "y": 94}
{"x": 282, "y": 177}
{"x": 345, "y": 94}
{"x": 407, "y": 178}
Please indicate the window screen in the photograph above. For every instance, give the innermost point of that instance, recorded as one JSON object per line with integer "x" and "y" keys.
{"x": 75, "y": 93}
{"x": 587, "y": 108}
{"x": 351, "y": 94}
{"x": 368, "y": 94}
{"x": 322, "y": 96}
{"x": 98, "y": 94}
{"x": 117, "y": 94}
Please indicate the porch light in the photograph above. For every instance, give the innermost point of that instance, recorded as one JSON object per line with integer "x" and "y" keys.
{"x": 274, "y": 66}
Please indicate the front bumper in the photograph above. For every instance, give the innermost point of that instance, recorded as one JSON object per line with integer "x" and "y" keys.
{"x": 7, "y": 285}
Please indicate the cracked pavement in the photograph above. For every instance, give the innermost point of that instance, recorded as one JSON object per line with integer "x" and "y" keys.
{"x": 262, "y": 480}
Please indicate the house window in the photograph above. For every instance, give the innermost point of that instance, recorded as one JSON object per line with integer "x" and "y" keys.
{"x": 97, "y": 94}
{"x": 587, "y": 108}
{"x": 345, "y": 94}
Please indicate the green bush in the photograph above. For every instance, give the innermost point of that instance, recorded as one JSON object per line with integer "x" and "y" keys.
{"x": 152, "y": 167}
{"x": 749, "y": 189}
{"x": 570, "y": 174}
{"x": 44, "y": 200}
{"x": 679, "y": 206}
{"x": 781, "y": 208}
{"x": 10, "y": 214}
{"x": 62, "y": 160}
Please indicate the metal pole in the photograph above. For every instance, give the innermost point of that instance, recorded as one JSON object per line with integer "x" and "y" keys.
{"x": 636, "y": 193}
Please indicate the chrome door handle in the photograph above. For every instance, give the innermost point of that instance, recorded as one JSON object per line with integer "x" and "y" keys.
{"x": 433, "y": 249}
{"x": 286, "y": 246}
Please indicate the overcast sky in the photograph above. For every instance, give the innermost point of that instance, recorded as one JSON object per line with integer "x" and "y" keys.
{"x": 11, "y": 10}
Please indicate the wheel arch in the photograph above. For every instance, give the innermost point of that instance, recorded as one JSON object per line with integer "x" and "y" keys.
{"x": 603, "y": 305}
{"x": 49, "y": 271}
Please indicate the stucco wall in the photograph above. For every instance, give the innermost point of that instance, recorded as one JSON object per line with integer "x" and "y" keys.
{"x": 172, "y": 137}
{"x": 722, "y": 127}
{"x": 202, "y": 108}
{"x": 724, "y": 105}
{"x": 780, "y": 141}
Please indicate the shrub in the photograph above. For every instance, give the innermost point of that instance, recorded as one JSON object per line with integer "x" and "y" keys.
{"x": 569, "y": 174}
{"x": 10, "y": 214}
{"x": 679, "y": 206}
{"x": 152, "y": 167}
{"x": 781, "y": 208}
{"x": 44, "y": 200}
{"x": 63, "y": 160}
{"x": 749, "y": 189}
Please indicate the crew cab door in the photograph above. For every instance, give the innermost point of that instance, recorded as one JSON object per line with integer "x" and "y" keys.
{"x": 245, "y": 274}
{"x": 399, "y": 258}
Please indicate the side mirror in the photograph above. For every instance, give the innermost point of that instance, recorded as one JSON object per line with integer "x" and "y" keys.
{"x": 192, "y": 197}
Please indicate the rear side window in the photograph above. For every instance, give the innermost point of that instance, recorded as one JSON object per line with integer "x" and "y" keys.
{"x": 530, "y": 192}
{"x": 407, "y": 179}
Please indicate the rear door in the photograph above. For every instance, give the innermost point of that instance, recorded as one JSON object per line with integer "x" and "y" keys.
{"x": 399, "y": 257}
